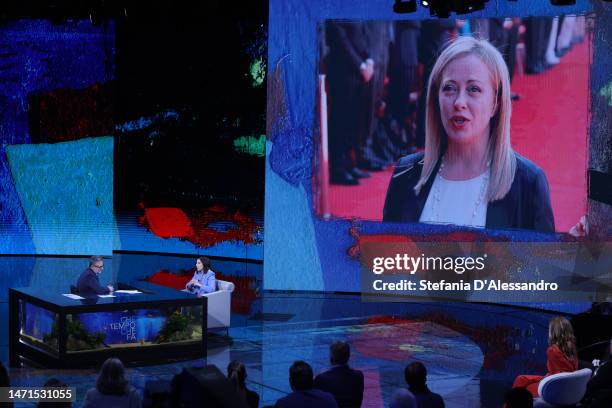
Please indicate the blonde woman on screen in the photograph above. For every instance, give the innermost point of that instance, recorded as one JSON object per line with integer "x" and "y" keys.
{"x": 468, "y": 174}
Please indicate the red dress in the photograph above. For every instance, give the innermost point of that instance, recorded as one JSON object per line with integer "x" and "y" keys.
{"x": 556, "y": 362}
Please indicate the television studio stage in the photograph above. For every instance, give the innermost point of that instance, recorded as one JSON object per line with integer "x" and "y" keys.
{"x": 306, "y": 148}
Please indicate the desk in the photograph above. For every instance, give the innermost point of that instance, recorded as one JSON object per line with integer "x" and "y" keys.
{"x": 156, "y": 325}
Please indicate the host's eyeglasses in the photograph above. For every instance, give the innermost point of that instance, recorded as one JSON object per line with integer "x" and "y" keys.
{"x": 99, "y": 266}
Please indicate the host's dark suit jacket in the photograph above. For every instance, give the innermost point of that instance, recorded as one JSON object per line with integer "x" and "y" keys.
{"x": 344, "y": 383}
{"x": 526, "y": 206}
{"x": 89, "y": 284}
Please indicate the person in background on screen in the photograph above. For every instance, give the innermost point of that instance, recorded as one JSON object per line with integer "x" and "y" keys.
{"x": 561, "y": 355}
{"x": 236, "y": 372}
{"x": 89, "y": 282}
{"x": 469, "y": 174}
{"x": 203, "y": 280}
{"x": 350, "y": 68}
{"x": 112, "y": 388}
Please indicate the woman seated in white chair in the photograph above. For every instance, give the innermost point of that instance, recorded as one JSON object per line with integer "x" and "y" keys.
{"x": 203, "y": 280}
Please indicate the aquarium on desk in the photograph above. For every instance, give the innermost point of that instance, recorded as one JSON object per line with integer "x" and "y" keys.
{"x": 100, "y": 330}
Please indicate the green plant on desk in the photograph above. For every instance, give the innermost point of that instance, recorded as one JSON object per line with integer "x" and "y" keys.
{"x": 77, "y": 336}
{"x": 175, "y": 328}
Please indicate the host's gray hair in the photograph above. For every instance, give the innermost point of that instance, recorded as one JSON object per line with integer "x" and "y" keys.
{"x": 95, "y": 259}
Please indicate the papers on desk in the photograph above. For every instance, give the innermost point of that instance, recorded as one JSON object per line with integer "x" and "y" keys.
{"x": 129, "y": 292}
{"x": 72, "y": 296}
{"x": 105, "y": 296}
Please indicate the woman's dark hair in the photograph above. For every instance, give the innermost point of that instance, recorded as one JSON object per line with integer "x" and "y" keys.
{"x": 111, "y": 380}
{"x": 206, "y": 262}
{"x": 236, "y": 372}
{"x": 300, "y": 376}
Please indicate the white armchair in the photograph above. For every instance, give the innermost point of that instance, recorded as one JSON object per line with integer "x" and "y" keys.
{"x": 219, "y": 305}
{"x": 563, "y": 389}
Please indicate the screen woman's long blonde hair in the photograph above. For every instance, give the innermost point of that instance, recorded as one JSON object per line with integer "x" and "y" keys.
{"x": 501, "y": 155}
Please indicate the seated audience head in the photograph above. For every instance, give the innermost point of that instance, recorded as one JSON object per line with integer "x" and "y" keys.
{"x": 415, "y": 375}
{"x": 300, "y": 376}
{"x": 4, "y": 377}
{"x": 236, "y": 371}
{"x": 111, "y": 380}
{"x": 55, "y": 383}
{"x": 518, "y": 398}
{"x": 561, "y": 334}
{"x": 339, "y": 352}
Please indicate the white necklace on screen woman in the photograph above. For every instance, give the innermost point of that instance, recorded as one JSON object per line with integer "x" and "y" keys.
{"x": 435, "y": 210}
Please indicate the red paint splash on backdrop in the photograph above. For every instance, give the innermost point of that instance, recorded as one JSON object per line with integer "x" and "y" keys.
{"x": 202, "y": 227}
{"x": 452, "y": 237}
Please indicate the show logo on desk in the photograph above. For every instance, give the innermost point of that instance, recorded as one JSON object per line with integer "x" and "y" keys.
{"x": 127, "y": 327}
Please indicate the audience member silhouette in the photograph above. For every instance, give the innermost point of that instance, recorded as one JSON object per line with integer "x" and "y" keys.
{"x": 236, "y": 372}
{"x": 304, "y": 395}
{"x": 343, "y": 382}
{"x": 402, "y": 398}
{"x": 112, "y": 388}
{"x": 416, "y": 378}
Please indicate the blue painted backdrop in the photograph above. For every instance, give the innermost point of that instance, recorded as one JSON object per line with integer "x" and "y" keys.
{"x": 99, "y": 122}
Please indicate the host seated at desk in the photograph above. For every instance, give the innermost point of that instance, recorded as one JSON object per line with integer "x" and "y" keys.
{"x": 203, "y": 280}
{"x": 89, "y": 282}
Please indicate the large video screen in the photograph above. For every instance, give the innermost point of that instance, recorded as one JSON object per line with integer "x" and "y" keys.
{"x": 390, "y": 131}
{"x": 381, "y": 151}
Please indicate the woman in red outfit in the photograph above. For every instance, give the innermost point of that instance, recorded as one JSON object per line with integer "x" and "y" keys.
{"x": 561, "y": 355}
